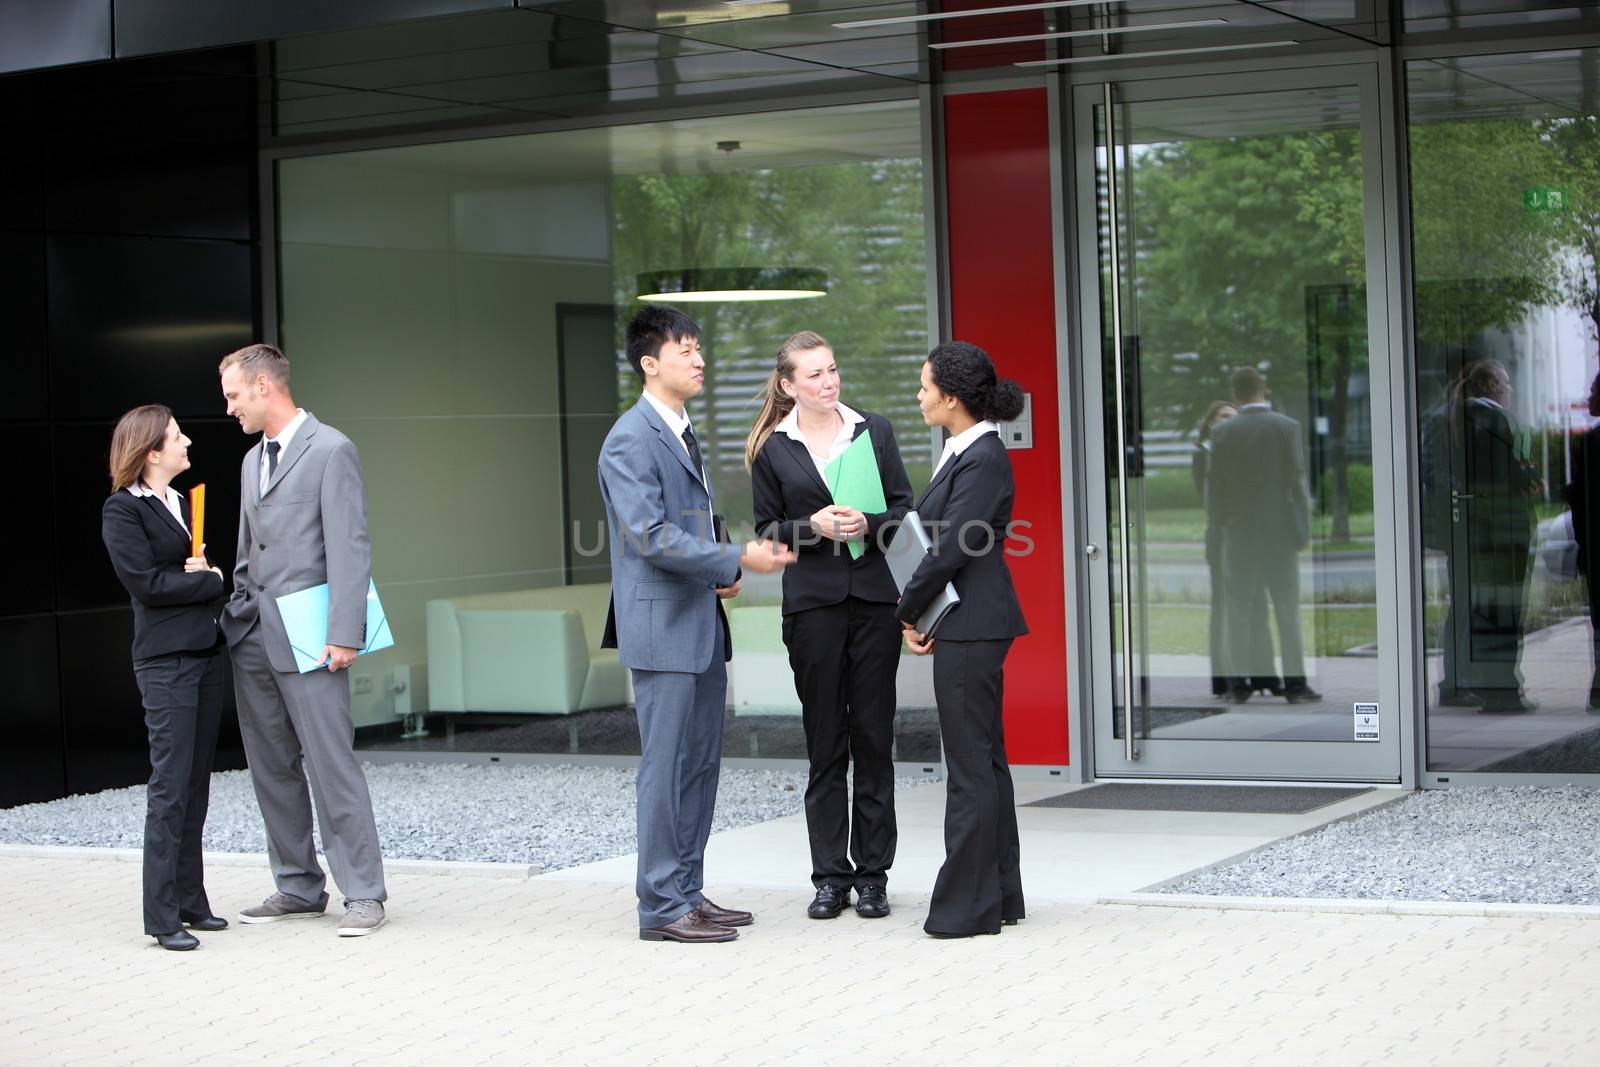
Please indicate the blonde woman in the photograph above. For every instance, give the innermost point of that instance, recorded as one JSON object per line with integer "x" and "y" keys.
{"x": 176, "y": 660}
{"x": 838, "y": 617}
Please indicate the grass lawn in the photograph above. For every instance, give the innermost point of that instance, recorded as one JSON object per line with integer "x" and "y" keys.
{"x": 1189, "y": 525}
{"x": 1183, "y": 629}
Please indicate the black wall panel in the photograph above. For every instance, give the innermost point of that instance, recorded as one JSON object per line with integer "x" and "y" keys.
{"x": 22, "y": 310}
{"x": 157, "y": 147}
{"x": 31, "y": 764}
{"x": 127, "y": 248}
{"x": 139, "y": 320}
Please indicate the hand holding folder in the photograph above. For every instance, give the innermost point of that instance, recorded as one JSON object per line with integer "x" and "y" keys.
{"x": 305, "y": 620}
{"x": 854, "y": 481}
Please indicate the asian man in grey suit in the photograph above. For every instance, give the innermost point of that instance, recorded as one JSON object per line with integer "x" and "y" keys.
{"x": 302, "y": 523}
{"x": 669, "y": 571}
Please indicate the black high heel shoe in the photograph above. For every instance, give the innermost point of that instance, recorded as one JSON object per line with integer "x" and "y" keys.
{"x": 182, "y": 941}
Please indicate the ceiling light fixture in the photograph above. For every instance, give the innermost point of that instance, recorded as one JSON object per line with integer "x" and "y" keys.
{"x": 707, "y": 285}
{"x": 903, "y": 20}
{"x": 1153, "y": 55}
{"x": 1079, "y": 33}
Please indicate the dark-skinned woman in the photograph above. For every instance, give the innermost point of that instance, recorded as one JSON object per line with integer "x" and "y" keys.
{"x": 967, "y": 509}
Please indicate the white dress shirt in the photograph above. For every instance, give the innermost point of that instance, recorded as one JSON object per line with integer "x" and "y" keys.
{"x": 677, "y": 424}
{"x": 963, "y": 441}
{"x": 790, "y": 424}
{"x": 170, "y": 499}
{"x": 284, "y": 437}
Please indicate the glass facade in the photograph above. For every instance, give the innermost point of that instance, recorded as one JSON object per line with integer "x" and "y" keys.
{"x": 1505, "y": 175}
{"x": 458, "y": 308}
{"x": 1253, "y": 579}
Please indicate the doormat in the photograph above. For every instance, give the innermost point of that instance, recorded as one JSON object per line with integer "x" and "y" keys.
{"x": 1247, "y": 799}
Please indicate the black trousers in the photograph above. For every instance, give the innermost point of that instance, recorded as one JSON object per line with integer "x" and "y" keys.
{"x": 182, "y": 696}
{"x": 844, "y": 658}
{"x": 981, "y": 880}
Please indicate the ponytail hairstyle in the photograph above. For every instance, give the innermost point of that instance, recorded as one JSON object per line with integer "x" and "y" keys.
{"x": 775, "y": 403}
{"x": 966, "y": 372}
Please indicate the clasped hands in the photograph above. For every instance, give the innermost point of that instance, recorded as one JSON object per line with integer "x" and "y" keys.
{"x": 839, "y": 523}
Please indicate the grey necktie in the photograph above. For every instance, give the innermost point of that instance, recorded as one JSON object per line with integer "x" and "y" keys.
{"x": 273, "y": 448}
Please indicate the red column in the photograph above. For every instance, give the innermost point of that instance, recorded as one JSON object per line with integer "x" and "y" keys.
{"x": 1002, "y": 297}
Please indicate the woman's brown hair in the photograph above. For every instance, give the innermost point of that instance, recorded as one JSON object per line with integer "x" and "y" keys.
{"x": 140, "y": 432}
{"x": 775, "y": 402}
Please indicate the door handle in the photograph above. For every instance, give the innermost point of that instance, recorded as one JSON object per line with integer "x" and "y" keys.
{"x": 1092, "y": 550}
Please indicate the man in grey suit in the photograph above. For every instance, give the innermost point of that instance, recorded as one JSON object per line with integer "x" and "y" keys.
{"x": 1256, "y": 495}
{"x": 302, "y": 523}
{"x": 669, "y": 571}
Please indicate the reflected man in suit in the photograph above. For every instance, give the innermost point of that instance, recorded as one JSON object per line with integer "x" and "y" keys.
{"x": 1256, "y": 496}
{"x": 1584, "y": 502}
{"x": 1498, "y": 511}
{"x": 302, "y": 523}
{"x": 669, "y": 572}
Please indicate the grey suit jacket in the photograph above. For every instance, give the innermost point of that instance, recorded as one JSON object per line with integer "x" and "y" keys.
{"x": 1256, "y": 482}
{"x": 666, "y": 563}
{"x": 309, "y": 527}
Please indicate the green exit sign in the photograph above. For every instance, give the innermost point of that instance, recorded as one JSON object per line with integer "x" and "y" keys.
{"x": 1539, "y": 201}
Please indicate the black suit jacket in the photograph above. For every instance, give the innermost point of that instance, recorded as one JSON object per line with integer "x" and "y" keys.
{"x": 787, "y": 491}
{"x": 966, "y": 509}
{"x": 173, "y": 610}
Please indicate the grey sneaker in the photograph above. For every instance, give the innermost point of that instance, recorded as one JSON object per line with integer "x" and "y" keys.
{"x": 361, "y": 917}
{"x": 282, "y": 906}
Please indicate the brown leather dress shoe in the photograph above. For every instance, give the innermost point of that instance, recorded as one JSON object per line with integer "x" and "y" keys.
{"x": 691, "y": 928}
{"x": 724, "y": 916}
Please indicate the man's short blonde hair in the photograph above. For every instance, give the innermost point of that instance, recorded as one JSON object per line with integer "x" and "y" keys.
{"x": 258, "y": 359}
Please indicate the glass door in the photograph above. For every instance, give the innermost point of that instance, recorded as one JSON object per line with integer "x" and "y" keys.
{"x": 1241, "y": 564}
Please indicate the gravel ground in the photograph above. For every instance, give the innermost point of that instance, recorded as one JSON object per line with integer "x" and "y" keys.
{"x": 1505, "y": 844}
{"x": 552, "y": 815}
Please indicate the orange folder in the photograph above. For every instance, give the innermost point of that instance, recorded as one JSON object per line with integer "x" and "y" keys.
{"x": 197, "y": 518}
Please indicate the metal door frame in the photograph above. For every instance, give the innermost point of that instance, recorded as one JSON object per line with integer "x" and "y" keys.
{"x": 1390, "y": 759}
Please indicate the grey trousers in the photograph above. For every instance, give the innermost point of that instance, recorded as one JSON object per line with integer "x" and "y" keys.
{"x": 297, "y": 727}
{"x": 680, "y": 761}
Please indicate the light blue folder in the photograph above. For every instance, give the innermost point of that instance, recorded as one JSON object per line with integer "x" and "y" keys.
{"x": 305, "y": 618}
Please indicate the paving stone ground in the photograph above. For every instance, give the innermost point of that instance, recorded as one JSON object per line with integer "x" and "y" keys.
{"x": 494, "y": 970}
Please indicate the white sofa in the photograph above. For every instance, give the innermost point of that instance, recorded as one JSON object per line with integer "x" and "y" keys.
{"x": 533, "y": 651}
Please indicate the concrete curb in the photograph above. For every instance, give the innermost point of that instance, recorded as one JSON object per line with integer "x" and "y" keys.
{"x": 459, "y": 868}
{"x": 1357, "y": 905}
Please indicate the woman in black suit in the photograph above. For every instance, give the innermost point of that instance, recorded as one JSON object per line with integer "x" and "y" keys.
{"x": 176, "y": 641}
{"x": 967, "y": 509}
{"x": 838, "y": 618}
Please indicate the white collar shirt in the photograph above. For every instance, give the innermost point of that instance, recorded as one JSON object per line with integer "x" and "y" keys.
{"x": 963, "y": 441}
{"x": 1259, "y": 405}
{"x": 285, "y": 435}
{"x": 790, "y": 425}
{"x": 169, "y": 498}
{"x": 677, "y": 423}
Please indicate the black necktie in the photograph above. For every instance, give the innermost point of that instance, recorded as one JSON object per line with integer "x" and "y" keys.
{"x": 694, "y": 451}
{"x": 273, "y": 448}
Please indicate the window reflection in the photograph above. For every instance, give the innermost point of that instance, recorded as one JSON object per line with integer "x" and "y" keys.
{"x": 1506, "y": 201}
{"x": 457, "y": 308}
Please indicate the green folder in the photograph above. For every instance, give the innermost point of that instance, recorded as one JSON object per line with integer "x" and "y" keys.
{"x": 854, "y": 482}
